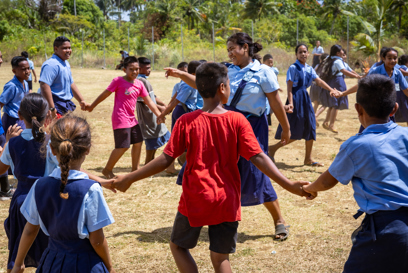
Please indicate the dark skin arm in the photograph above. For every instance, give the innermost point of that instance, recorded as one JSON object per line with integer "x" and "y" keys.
{"x": 100, "y": 245}
{"x": 184, "y": 76}
{"x": 325, "y": 182}
{"x": 27, "y": 238}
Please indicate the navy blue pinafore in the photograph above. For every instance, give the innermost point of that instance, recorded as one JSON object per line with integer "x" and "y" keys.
{"x": 29, "y": 165}
{"x": 63, "y": 106}
{"x": 302, "y": 121}
{"x": 66, "y": 252}
{"x": 332, "y": 102}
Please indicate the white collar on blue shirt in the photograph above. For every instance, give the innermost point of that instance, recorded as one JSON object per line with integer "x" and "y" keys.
{"x": 73, "y": 174}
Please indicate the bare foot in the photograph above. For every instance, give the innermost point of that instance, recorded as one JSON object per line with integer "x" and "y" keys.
{"x": 313, "y": 163}
{"x": 108, "y": 173}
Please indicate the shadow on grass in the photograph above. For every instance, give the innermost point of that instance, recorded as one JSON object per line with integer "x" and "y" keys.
{"x": 123, "y": 170}
{"x": 162, "y": 235}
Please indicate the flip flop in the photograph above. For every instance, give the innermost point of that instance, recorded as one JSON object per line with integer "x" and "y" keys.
{"x": 281, "y": 229}
{"x": 315, "y": 164}
{"x": 325, "y": 126}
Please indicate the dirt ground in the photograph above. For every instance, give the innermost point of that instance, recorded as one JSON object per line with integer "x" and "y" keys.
{"x": 139, "y": 239}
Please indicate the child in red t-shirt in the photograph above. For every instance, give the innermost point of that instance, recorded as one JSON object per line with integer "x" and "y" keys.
{"x": 214, "y": 139}
{"x": 126, "y": 129}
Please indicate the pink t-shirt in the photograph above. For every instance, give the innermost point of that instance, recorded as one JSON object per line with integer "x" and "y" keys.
{"x": 126, "y": 94}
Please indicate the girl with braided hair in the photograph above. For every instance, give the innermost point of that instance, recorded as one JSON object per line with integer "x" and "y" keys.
{"x": 69, "y": 207}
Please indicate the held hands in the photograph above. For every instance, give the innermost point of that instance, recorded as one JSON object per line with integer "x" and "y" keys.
{"x": 13, "y": 131}
{"x": 289, "y": 108}
{"x": 335, "y": 93}
{"x": 313, "y": 195}
{"x": 108, "y": 184}
{"x": 89, "y": 108}
{"x": 285, "y": 137}
{"x": 298, "y": 188}
{"x": 84, "y": 105}
{"x": 120, "y": 183}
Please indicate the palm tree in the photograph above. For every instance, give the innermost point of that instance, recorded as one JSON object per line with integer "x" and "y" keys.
{"x": 401, "y": 6}
{"x": 192, "y": 10}
{"x": 106, "y": 6}
{"x": 255, "y": 9}
{"x": 332, "y": 9}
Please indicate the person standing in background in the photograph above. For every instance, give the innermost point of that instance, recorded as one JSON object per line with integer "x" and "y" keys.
{"x": 31, "y": 64}
{"x": 317, "y": 51}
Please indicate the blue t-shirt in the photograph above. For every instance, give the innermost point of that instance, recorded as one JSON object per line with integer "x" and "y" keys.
{"x": 376, "y": 163}
{"x": 187, "y": 95}
{"x": 51, "y": 162}
{"x": 31, "y": 64}
{"x": 57, "y": 74}
{"x": 175, "y": 89}
{"x": 13, "y": 92}
{"x": 253, "y": 99}
{"x": 338, "y": 65}
{"x": 125, "y": 54}
{"x": 318, "y": 50}
{"x": 293, "y": 74}
{"x": 404, "y": 67}
{"x": 93, "y": 215}
{"x": 397, "y": 77}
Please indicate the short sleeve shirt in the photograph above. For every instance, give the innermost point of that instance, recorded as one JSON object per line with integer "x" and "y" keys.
{"x": 94, "y": 213}
{"x": 57, "y": 74}
{"x": 187, "y": 95}
{"x": 211, "y": 181}
{"x": 397, "y": 76}
{"x": 126, "y": 94}
{"x": 125, "y": 54}
{"x": 308, "y": 72}
{"x": 253, "y": 99}
{"x": 318, "y": 50}
{"x": 13, "y": 92}
{"x": 376, "y": 163}
{"x": 338, "y": 65}
{"x": 31, "y": 64}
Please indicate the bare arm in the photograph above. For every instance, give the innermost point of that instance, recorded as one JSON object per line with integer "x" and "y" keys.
{"x": 265, "y": 165}
{"x": 160, "y": 102}
{"x": 108, "y": 184}
{"x": 169, "y": 108}
{"x": 27, "y": 238}
{"x": 290, "y": 97}
{"x": 99, "y": 243}
{"x": 184, "y": 76}
{"x": 324, "y": 85}
{"x": 325, "y": 182}
{"x": 405, "y": 92}
{"x": 278, "y": 109}
{"x": 159, "y": 164}
{"x": 405, "y": 73}
{"x": 46, "y": 92}
{"x": 349, "y": 73}
{"x": 173, "y": 98}
{"x": 152, "y": 106}
{"x": 350, "y": 91}
{"x": 78, "y": 96}
{"x": 35, "y": 75}
{"x": 99, "y": 99}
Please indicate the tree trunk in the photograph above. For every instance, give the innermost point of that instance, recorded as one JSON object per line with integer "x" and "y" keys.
{"x": 399, "y": 18}
{"x": 332, "y": 26}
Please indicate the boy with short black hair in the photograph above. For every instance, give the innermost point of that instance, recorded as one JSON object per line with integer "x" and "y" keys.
{"x": 376, "y": 163}
{"x": 268, "y": 60}
{"x": 30, "y": 79}
{"x": 214, "y": 139}
{"x": 126, "y": 129}
{"x": 183, "y": 67}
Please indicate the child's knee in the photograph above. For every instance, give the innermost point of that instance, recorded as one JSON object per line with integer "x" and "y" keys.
{"x": 176, "y": 248}
{"x": 218, "y": 258}
{"x": 123, "y": 150}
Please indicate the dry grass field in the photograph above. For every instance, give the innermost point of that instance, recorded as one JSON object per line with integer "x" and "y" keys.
{"x": 320, "y": 230}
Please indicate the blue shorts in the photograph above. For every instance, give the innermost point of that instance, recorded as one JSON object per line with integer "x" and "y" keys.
{"x": 156, "y": 143}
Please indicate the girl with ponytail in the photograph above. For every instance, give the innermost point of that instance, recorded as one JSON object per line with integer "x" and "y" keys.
{"x": 69, "y": 207}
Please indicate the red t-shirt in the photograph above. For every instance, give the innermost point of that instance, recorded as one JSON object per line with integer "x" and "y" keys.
{"x": 211, "y": 182}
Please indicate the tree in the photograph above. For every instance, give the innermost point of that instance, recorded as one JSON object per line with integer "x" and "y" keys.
{"x": 192, "y": 10}
{"x": 47, "y": 9}
{"x": 255, "y": 9}
{"x": 401, "y": 6}
{"x": 332, "y": 9}
{"x": 85, "y": 8}
{"x": 106, "y": 7}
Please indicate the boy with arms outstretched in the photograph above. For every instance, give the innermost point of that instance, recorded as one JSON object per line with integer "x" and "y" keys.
{"x": 214, "y": 139}
{"x": 376, "y": 163}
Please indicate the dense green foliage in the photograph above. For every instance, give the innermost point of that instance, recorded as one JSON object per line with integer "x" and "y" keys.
{"x": 31, "y": 23}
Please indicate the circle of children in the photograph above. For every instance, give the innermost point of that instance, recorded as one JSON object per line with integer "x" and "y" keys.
{"x": 57, "y": 213}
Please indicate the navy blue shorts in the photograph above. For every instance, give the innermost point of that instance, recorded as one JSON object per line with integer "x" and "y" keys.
{"x": 156, "y": 143}
{"x": 380, "y": 243}
{"x": 126, "y": 136}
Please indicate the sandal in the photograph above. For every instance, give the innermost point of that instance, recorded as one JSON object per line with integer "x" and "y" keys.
{"x": 281, "y": 229}
{"x": 327, "y": 127}
{"x": 172, "y": 173}
{"x": 315, "y": 164}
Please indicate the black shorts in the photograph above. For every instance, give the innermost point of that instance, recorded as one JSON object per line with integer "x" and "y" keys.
{"x": 30, "y": 85}
{"x": 223, "y": 237}
{"x": 126, "y": 136}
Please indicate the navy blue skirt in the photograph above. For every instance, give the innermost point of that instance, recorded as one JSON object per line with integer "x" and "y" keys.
{"x": 315, "y": 92}
{"x": 177, "y": 113}
{"x": 402, "y": 113}
{"x": 302, "y": 121}
{"x": 63, "y": 106}
{"x": 328, "y": 101}
{"x": 381, "y": 244}
{"x": 14, "y": 226}
{"x": 10, "y": 121}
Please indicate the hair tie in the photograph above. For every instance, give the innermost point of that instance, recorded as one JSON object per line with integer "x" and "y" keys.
{"x": 34, "y": 117}
{"x": 67, "y": 139}
{"x": 41, "y": 129}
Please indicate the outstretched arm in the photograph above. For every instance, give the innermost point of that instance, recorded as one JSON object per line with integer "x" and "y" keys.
{"x": 159, "y": 164}
{"x": 78, "y": 96}
{"x": 349, "y": 91}
{"x": 27, "y": 238}
{"x": 153, "y": 107}
{"x": 265, "y": 165}
{"x": 325, "y": 182}
{"x": 184, "y": 76}
{"x": 405, "y": 73}
{"x": 169, "y": 108}
{"x": 99, "y": 99}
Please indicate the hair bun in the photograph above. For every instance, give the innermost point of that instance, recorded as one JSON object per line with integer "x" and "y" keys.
{"x": 257, "y": 47}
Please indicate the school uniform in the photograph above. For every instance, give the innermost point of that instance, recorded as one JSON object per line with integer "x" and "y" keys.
{"x": 187, "y": 96}
{"x": 336, "y": 81}
{"x": 68, "y": 222}
{"x": 154, "y": 135}
{"x": 316, "y": 59}
{"x": 57, "y": 74}
{"x": 27, "y": 163}
{"x": 13, "y": 92}
{"x": 302, "y": 121}
{"x": 315, "y": 90}
{"x": 376, "y": 163}
{"x": 269, "y": 111}
{"x": 400, "y": 84}
{"x": 405, "y": 68}
{"x": 30, "y": 78}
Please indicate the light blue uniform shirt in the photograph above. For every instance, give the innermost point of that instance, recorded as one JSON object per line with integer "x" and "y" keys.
{"x": 348, "y": 68}
{"x": 338, "y": 65}
{"x": 51, "y": 162}
{"x": 293, "y": 74}
{"x": 253, "y": 99}
{"x": 57, "y": 74}
{"x": 13, "y": 92}
{"x": 187, "y": 95}
{"x": 397, "y": 77}
{"x": 31, "y": 64}
{"x": 318, "y": 50}
{"x": 376, "y": 163}
{"x": 94, "y": 213}
{"x": 175, "y": 89}
{"x": 275, "y": 70}
{"x": 404, "y": 67}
